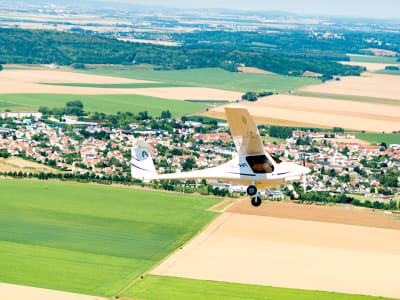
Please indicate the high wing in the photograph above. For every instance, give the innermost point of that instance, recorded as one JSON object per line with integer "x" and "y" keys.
{"x": 244, "y": 131}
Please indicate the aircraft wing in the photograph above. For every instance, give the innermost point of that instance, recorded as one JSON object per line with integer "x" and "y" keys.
{"x": 244, "y": 131}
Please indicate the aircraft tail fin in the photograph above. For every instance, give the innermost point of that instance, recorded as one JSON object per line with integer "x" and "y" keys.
{"x": 142, "y": 165}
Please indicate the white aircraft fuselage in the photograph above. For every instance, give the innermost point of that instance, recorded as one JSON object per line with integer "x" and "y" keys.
{"x": 252, "y": 166}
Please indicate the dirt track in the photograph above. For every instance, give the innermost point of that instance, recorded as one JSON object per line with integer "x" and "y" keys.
{"x": 292, "y": 253}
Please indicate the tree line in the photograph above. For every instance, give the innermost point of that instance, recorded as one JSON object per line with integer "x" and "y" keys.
{"x": 50, "y": 46}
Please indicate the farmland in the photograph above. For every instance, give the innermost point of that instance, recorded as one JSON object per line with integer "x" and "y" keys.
{"x": 106, "y": 103}
{"x": 377, "y": 138}
{"x": 289, "y": 246}
{"x": 215, "y": 78}
{"x": 162, "y": 288}
{"x": 288, "y": 110}
{"x": 92, "y": 239}
{"x": 374, "y": 59}
{"x": 369, "y": 85}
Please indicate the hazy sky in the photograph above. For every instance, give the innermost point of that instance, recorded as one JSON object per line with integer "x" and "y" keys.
{"x": 380, "y": 9}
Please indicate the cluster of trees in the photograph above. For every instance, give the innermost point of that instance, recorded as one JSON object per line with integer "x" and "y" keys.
{"x": 392, "y": 68}
{"x": 325, "y": 197}
{"x": 45, "y": 46}
{"x": 74, "y": 108}
{"x": 293, "y": 43}
{"x": 280, "y": 132}
{"x": 253, "y": 96}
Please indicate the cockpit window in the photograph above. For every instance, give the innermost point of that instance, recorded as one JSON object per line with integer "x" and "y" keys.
{"x": 260, "y": 164}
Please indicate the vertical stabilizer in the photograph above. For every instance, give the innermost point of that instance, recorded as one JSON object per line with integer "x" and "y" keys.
{"x": 142, "y": 166}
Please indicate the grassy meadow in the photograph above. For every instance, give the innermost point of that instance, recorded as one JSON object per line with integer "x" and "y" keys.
{"x": 374, "y": 59}
{"x": 105, "y": 103}
{"x": 389, "y": 72}
{"x": 214, "y": 78}
{"x": 165, "y": 288}
{"x": 377, "y": 138}
{"x": 90, "y": 239}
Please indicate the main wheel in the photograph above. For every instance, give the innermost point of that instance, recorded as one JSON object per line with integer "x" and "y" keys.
{"x": 256, "y": 201}
{"x": 251, "y": 190}
{"x": 295, "y": 196}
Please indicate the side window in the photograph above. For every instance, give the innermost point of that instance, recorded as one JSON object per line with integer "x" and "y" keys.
{"x": 260, "y": 164}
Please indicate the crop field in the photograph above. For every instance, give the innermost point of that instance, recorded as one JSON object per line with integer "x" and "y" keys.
{"x": 215, "y": 78}
{"x": 17, "y": 164}
{"x": 293, "y": 246}
{"x": 164, "y": 288}
{"x": 374, "y": 59}
{"x": 377, "y": 138}
{"x": 368, "y": 85}
{"x": 107, "y": 103}
{"x": 75, "y": 83}
{"x": 90, "y": 239}
{"x": 299, "y": 111}
{"x": 121, "y": 85}
{"x": 389, "y": 72}
{"x": 349, "y": 97}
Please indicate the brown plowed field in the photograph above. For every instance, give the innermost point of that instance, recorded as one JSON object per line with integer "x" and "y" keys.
{"x": 349, "y": 215}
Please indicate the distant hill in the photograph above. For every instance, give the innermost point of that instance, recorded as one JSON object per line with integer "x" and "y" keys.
{"x": 47, "y": 46}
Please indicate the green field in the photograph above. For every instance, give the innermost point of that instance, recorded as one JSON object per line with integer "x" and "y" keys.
{"x": 349, "y": 97}
{"x": 270, "y": 139}
{"x": 166, "y": 288}
{"x": 374, "y": 59}
{"x": 122, "y": 85}
{"x": 107, "y": 103}
{"x": 90, "y": 239}
{"x": 377, "y": 138}
{"x": 388, "y": 72}
{"x": 215, "y": 78}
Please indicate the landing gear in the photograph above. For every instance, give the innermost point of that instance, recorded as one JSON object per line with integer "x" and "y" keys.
{"x": 251, "y": 190}
{"x": 256, "y": 201}
{"x": 293, "y": 194}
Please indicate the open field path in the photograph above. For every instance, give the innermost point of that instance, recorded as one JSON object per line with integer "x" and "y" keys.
{"x": 19, "y": 292}
{"x": 292, "y": 253}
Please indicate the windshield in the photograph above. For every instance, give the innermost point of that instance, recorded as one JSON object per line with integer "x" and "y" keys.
{"x": 260, "y": 164}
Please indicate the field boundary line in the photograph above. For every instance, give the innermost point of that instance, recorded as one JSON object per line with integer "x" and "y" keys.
{"x": 116, "y": 296}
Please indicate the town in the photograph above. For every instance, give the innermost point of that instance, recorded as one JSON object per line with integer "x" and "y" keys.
{"x": 91, "y": 149}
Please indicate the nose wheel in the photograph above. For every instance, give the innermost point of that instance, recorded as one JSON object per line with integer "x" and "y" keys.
{"x": 251, "y": 190}
{"x": 256, "y": 201}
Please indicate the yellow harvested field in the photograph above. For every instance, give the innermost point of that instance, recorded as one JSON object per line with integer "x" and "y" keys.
{"x": 155, "y": 42}
{"x": 291, "y": 110}
{"x": 16, "y": 164}
{"x": 368, "y": 85}
{"x": 19, "y": 292}
{"x": 254, "y": 70}
{"x": 293, "y": 254}
{"x": 28, "y": 81}
{"x": 381, "y": 52}
{"x": 370, "y": 66}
